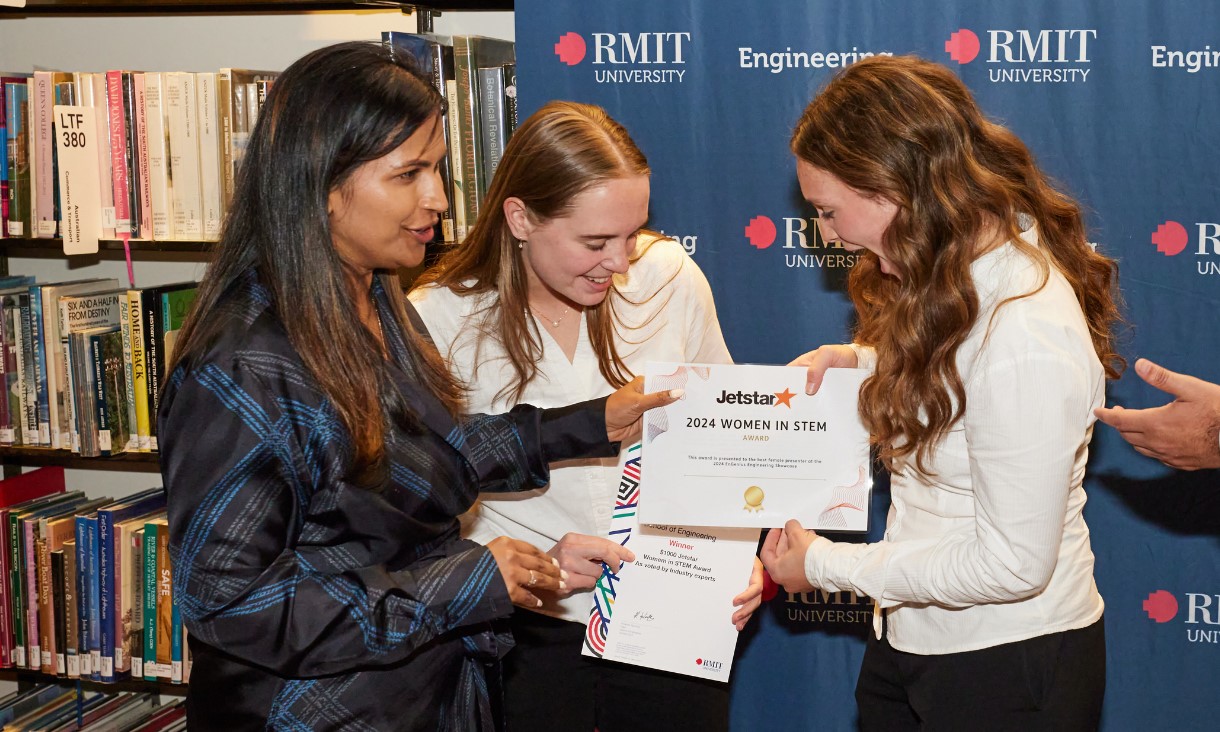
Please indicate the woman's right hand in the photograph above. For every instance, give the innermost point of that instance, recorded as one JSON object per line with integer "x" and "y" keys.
{"x": 581, "y": 557}
{"x": 820, "y": 359}
{"x": 525, "y": 569}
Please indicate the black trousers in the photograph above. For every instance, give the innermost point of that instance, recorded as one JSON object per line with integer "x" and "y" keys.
{"x": 549, "y": 686}
{"x": 1052, "y": 682}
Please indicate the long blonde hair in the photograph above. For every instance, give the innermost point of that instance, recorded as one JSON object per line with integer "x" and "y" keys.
{"x": 562, "y": 150}
{"x": 908, "y": 131}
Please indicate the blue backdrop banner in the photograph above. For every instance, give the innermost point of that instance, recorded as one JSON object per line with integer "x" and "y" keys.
{"x": 1119, "y": 101}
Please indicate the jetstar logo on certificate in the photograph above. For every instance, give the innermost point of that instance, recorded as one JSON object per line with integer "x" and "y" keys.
{"x": 745, "y": 446}
{"x": 779, "y": 398}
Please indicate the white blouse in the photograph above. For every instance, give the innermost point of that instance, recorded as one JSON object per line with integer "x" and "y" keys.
{"x": 991, "y": 547}
{"x": 674, "y": 320}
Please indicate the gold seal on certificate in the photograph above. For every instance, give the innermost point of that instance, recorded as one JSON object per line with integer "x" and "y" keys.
{"x": 746, "y": 446}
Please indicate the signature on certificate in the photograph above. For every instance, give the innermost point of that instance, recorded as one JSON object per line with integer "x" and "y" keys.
{"x": 643, "y": 616}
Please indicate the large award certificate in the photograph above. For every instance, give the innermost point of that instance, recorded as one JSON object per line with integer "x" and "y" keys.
{"x": 746, "y": 446}
{"x": 670, "y": 609}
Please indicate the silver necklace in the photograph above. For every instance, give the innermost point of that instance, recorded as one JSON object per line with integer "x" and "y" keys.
{"x": 554, "y": 323}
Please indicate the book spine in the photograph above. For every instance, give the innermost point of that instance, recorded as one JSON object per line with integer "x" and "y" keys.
{"x": 142, "y": 178}
{"x": 442, "y": 67}
{"x": 118, "y": 152}
{"x": 224, "y": 126}
{"x": 510, "y": 100}
{"x": 29, "y": 571}
{"x": 13, "y": 370}
{"x": 71, "y": 613}
{"x": 165, "y": 597}
{"x": 134, "y": 646}
{"x": 150, "y": 601}
{"x": 42, "y": 210}
{"x": 99, "y": 396}
{"x": 175, "y": 643}
{"x": 131, "y": 151}
{"x": 17, "y": 595}
{"x": 101, "y": 102}
{"x": 17, "y": 100}
{"x": 457, "y": 202}
{"x": 139, "y": 371}
{"x": 6, "y": 615}
{"x": 133, "y": 439}
{"x": 59, "y": 632}
{"x": 6, "y": 363}
{"x": 105, "y": 543}
{"x": 39, "y": 344}
{"x": 153, "y": 359}
{"x": 184, "y": 155}
{"x": 29, "y": 380}
{"x": 209, "y": 155}
{"x": 82, "y": 597}
{"x": 95, "y": 603}
{"x": 491, "y": 107}
{"x": 64, "y": 432}
{"x": 158, "y": 159}
{"x": 3, "y": 160}
{"x": 468, "y": 119}
{"x": 46, "y": 599}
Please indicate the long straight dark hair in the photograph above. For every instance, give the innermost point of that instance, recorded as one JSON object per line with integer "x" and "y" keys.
{"x": 330, "y": 112}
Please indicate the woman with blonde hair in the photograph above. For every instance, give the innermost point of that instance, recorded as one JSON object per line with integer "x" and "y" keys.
{"x": 558, "y": 293}
{"x": 985, "y": 318}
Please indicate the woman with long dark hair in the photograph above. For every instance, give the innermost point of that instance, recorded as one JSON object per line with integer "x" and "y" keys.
{"x": 985, "y": 318}
{"x": 313, "y": 444}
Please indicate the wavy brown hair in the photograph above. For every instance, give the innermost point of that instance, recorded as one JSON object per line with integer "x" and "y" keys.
{"x": 908, "y": 131}
{"x": 330, "y": 112}
{"x": 562, "y": 150}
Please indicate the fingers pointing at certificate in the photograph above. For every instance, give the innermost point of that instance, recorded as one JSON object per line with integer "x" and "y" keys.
{"x": 581, "y": 556}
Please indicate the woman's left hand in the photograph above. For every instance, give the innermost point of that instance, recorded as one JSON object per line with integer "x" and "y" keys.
{"x": 783, "y": 554}
{"x": 625, "y": 409}
{"x": 749, "y": 600}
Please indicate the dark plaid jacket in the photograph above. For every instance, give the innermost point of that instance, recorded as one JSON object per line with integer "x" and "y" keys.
{"x": 315, "y": 604}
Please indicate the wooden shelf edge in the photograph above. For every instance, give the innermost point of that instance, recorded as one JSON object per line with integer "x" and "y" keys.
{"x": 55, "y": 247}
{"x": 29, "y": 675}
{"x": 146, "y": 462}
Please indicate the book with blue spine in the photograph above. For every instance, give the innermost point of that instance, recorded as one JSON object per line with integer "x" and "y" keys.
{"x": 141, "y": 503}
{"x": 84, "y": 554}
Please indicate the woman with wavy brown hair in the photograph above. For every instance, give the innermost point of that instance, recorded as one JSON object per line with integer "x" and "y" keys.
{"x": 985, "y": 317}
{"x": 557, "y": 293}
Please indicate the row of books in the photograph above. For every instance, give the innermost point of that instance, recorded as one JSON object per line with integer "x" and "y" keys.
{"x": 477, "y": 76}
{"x": 86, "y": 584}
{"x": 168, "y": 146}
{"x": 53, "y": 708}
{"x": 83, "y": 362}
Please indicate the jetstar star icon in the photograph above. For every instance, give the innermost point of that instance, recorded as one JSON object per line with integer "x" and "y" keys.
{"x": 784, "y": 397}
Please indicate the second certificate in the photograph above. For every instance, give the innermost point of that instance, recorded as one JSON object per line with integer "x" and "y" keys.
{"x": 746, "y": 446}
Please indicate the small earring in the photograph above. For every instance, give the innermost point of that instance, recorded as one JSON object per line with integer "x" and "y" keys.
{"x": 520, "y": 244}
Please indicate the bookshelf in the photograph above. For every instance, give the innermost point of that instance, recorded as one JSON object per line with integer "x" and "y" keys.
{"x": 164, "y": 34}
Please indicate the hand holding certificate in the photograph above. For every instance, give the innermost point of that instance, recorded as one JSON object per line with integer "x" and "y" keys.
{"x": 746, "y": 446}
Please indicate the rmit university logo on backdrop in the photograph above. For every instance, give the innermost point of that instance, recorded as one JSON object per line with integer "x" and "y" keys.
{"x": 627, "y": 58}
{"x": 1198, "y": 612}
{"x": 834, "y": 608}
{"x": 1025, "y": 56}
{"x": 1200, "y": 239}
{"x": 800, "y": 240}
